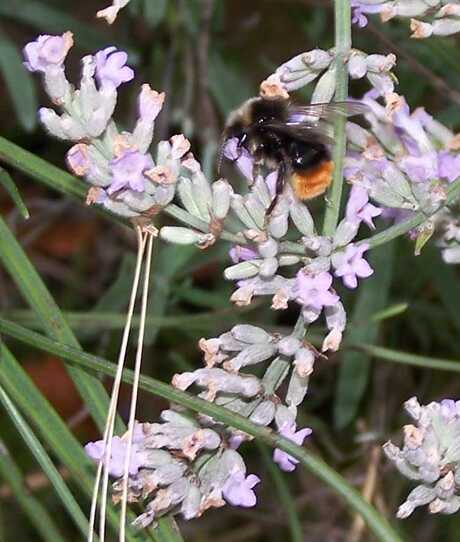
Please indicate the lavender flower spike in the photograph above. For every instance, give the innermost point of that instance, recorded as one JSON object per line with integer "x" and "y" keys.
{"x": 47, "y": 51}
{"x": 111, "y": 69}
{"x": 285, "y": 461}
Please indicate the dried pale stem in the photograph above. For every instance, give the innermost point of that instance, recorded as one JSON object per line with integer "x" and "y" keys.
{"x": 109, "y": 428}
{"x": 137, "y": 372}
{"x": 370, "y": 483}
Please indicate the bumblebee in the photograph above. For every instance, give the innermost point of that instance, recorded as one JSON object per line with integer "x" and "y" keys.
{"x": 294, "y": 139}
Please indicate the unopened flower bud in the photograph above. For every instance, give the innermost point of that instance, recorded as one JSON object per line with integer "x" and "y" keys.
{"x": 325, "y": 88}
{"x": 221, "y": 198}
{"x": 288, "y": 346}
{"x": 357, "y": 65}
{"x": 250, "y": 334}
{"x": 302, "y": 218}
{"x": 264, "y": 413}
{"x": 183, "y": 236}
{"x": 268, "y": 267}
{"x": 243, "y": 270}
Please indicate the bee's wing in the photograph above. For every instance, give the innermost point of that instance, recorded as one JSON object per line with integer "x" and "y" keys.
{"x": 328, "y": 112}
{"x": 314, "y": 123}
{"x": 310, "y": 132}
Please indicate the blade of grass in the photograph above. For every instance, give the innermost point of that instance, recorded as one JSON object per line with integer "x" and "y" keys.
{"x": 38, "y": 297}
{"x": 38, "y": 515}
{"x": 284, "y": 495}
{"x": 92, "y": 321}
{"x": 98, "y": 364}
{"x": 8, "y": 184}
{"x": 355, "y": 367}
{"x": 390, "y": 312}
{"x": 377, "y": 524}
{"x": 405, "y": 358}
{"x": 53, "y": 430}
{"x": 42, "y": 458}
{"x": 21, "y": 88}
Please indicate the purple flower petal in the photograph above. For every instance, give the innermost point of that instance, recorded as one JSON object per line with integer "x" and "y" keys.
{"x": 313, "y": 291}
{"x": 350, "y": 264}
{"x": 47, "y": 51}
{"x": 128, "y": 171}
{"x": 285, "y": 461}
{"x": 111, "y": 68}
{"x": 359, "y": 209}
{"x": 95, "y": 451}
{"x": 238, "y": 489}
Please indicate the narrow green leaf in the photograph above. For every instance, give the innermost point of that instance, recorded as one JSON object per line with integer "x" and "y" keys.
{"x": 21, "y": 88}
{"x": 37, "y": 295}
{"x": 354, "y": 368}
{"x": 93, "y": 321}
{"x": 406, "y": 358}
{"x": 377, "y": 524}
{"x": 42, "y": 458}
{"x": 31, "y": 505}
{"x": 390, "y": 312}
{"x": 8, "y": 184}
{"x": 285, "y": 499}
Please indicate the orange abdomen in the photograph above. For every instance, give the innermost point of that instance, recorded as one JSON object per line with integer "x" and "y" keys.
{"x": 312, "y": 182}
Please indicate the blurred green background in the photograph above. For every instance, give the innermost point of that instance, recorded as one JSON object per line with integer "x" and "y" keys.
{"x": 208, "y": 56}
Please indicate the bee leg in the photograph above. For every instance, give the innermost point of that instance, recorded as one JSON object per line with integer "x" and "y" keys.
{"x": 280, "y": 180}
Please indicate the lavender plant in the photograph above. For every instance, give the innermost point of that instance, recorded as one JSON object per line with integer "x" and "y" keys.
{"x": 402, "y": 167}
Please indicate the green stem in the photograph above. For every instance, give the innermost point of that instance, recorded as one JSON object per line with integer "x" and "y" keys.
{"x": 412, "y": 222}
{"x": 342, "y": 11}
{"x": 377, "y": 524}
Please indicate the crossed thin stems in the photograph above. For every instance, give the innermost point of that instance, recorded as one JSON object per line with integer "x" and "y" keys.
{"x": 135, "y": 388}
{"x": 104, "y": 464}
